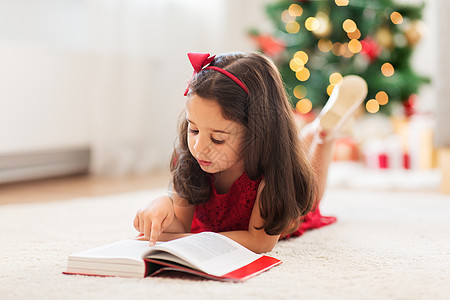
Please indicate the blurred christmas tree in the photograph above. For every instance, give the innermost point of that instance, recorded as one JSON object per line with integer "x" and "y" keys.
{"x": 318, "y": 42}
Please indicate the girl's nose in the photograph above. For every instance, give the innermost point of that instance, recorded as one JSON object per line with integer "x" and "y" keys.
{"x": 202, "y": 145}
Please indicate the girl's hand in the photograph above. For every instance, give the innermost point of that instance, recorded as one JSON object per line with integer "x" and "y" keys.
{"x": 153, "y": 219}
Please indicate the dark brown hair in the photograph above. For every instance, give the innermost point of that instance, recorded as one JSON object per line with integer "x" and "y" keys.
{"x": 271, "y": 148}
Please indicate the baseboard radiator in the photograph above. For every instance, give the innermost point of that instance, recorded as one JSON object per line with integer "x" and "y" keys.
{"x": 43, "y": 164}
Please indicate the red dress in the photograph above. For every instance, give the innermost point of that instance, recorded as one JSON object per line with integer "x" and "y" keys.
{"x": 232, "y": 211}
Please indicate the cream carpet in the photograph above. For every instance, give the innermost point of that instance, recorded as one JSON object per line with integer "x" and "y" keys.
{"x": 385, "y": 245}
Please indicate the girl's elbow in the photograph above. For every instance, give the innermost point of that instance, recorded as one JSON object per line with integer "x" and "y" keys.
{"x": 265, "y": 246}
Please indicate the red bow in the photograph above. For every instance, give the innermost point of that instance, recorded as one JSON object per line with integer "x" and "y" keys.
{"x": 198, "y": 61}
{"x": 201, "y": 61}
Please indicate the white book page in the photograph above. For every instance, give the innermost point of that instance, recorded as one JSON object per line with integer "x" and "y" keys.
{"x": 132, "y": 250}
{"x": 210, "y": 252}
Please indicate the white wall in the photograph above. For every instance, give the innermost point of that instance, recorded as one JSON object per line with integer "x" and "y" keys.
{"x": 43, "y": 98}
{"x": 43, "y": 75}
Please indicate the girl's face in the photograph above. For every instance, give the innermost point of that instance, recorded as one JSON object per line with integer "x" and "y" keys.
{"x": 213, "y": 140}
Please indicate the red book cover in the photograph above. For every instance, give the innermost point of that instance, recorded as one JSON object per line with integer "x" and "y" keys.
{"x": 260, "y": 265}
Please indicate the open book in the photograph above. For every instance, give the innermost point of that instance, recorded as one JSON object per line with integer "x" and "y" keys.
{"x": 206, "y": 254}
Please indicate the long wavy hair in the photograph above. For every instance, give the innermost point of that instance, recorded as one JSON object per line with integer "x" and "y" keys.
{"x": 272, "y": 148}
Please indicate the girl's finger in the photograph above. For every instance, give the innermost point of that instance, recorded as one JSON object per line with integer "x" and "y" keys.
{"x": 156, "y": 230}
{"x": 147, "y": 230}
{"x": 141, "y": 225}
{"x": 136, "y": 222}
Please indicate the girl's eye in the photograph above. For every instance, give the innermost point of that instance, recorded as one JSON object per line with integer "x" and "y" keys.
{"x": 192, "y": 131}
{"x": 217, "y": 141}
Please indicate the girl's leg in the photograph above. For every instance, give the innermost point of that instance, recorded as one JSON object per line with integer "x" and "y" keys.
{"x": 319, "y": 136}
{"x": 320, "y": 152}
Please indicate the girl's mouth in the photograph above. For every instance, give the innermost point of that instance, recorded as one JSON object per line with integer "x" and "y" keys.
{"x": 204, "y": 162}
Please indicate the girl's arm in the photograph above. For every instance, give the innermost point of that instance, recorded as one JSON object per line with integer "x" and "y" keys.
{"x": 256, "y": 240}
{"x": 184, "y": 213}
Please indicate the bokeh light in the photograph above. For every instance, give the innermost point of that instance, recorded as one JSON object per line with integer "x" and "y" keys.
{"x": 303, "y": 74}
{"x": 349, "y": 25}
{"x": 337, "y": 49}
{"x": 382, "y": 98}
{"x": 330, "y": 89}
{"x": 286, "y": 16}
{"x": 303, "y": 106}
{"x": 341, "y": 2}
{"x": 300, "y": 91}
{"x": 325, "y": 27}
{"x": 301, "y": 55}
{"x": 387, "y": 69}
{"x": 296, "y": 64}
{"x": 325, "y": 45}
{"x": 295, "y": 10}
{"x": 292, "y": 27}
{"x": 354, "y": 46}
{"x": 354, "y": 35}
{"x": 372, "y": 106}
{"x": 335, "y": 78}
{"x": 396, "y": 18}
{"x": 346, "y": 51}
{"x": 312, "y": 24}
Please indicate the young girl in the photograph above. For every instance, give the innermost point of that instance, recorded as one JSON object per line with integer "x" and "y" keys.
{"x": 239, "y": 168}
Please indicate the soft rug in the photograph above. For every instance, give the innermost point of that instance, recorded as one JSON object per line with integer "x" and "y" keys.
{"x": 385, "y": 245}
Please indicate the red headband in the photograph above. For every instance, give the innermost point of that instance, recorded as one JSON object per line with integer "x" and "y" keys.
{"x": 200, "y": 60}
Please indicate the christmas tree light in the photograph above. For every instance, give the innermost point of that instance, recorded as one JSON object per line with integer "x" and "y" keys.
{"x": 303, "y": 106}
{"x": 335, "y": 78}
{"x": 300, "y": 91}
{"x": 372, "y": 39}
{"x": 387, "y": 69}
{"x": 396, "y": 18}
{"x": 295, "y": 10}
{"x": 372, "y": 106}
{"x": 382, "y": 98}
